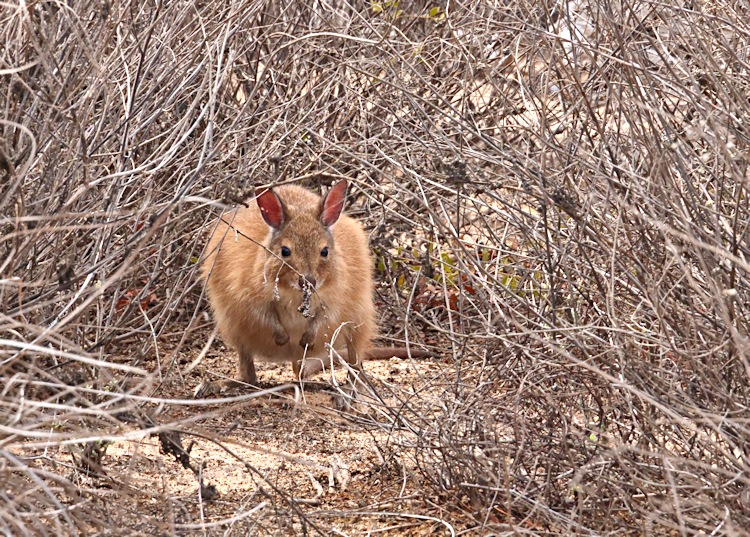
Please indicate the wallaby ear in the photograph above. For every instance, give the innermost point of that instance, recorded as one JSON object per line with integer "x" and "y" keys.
{"x": 271, "y": 208}
{"x": 333, "y": 204}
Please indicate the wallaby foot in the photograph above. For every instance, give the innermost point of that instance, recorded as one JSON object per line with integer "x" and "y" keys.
{"x": 216, "y": 387}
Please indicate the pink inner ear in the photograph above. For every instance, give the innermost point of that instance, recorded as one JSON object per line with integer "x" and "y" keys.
{"x": 271, "y": 209}
{"x": 333, "y": 204}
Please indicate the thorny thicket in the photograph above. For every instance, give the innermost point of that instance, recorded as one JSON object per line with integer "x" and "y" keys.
{"x": 557, "y": 193}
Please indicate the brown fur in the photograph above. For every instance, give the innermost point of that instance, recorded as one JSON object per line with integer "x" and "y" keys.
{"x": 256, "y": 296}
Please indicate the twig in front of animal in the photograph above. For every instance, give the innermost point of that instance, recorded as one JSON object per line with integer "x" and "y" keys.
{"x": 170, "y": 443}
{"x": 276, "y": 296}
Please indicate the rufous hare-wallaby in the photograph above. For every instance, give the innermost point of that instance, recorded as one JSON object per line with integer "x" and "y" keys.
{"x": 284, "y": 274}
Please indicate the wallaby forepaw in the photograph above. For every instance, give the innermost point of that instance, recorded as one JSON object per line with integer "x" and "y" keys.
{"x": 307, "y": 340}
{"x": 208, "y": 389}
{"x": 281, "y": 337}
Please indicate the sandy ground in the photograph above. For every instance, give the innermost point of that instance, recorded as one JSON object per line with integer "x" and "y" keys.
{"x": 277, "y": 464}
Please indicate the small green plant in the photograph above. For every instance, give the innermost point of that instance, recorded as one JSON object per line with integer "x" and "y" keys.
{"x": 388, "y": 8}
{"x": 436, "y": 14}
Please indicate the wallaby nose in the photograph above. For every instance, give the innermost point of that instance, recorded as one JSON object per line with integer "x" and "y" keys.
{"x": 304, "y": 281}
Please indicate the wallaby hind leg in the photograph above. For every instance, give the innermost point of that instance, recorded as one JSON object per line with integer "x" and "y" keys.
{"x": 246, "y": 373}
{"x": 247, "y": 368}
{"x": 306, "y": 368}
{"x": 297, "y": 369}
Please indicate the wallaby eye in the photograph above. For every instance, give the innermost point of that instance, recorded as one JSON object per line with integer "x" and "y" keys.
{"x": 285, "y": 251}
{"x": 324, "y": 252}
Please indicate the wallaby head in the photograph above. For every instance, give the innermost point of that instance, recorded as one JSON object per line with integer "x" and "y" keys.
{"x": 300, "y": 250}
